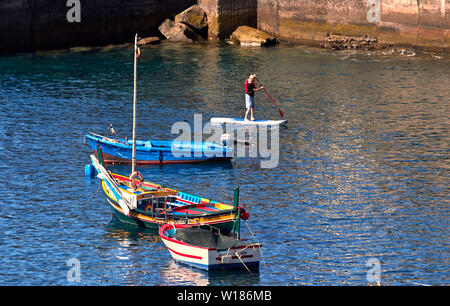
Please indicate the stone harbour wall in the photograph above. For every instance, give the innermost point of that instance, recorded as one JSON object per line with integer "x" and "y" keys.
{"x": 29, "y": 25}
{"x": 421, "y": 24}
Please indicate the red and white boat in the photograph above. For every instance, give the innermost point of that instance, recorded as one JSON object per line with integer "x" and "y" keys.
{"x": 209, "y": 250}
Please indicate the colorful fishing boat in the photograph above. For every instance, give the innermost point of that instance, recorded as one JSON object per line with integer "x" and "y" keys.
{"x": 208, "y": 249}
{"x": 150, "y": 205}
{"x": 157, "y": 152}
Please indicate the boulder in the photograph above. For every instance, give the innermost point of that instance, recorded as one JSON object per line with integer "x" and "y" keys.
{"x": 165, "y": 27}
{"x": 194, "y": 17}
{"x": 343, "y": 42}
{"x": 178, "y": 32}
{"x": 248, "y": 36}
{"x": 149, "y": 40}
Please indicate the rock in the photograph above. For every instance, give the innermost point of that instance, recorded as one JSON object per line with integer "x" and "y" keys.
{"x": 165, "y": 27}
{"x": 149, "y": 40}
{"x": 341, "y": 42}
{"x": 405, "y": 51}
{"x": 83, "y": 49}
{"x": 248, "y": 36}
{"x": 195, "y": 18}
{"x": 178, "y": 32}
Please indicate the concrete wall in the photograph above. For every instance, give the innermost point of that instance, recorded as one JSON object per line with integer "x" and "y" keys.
{"x": 224, "y": 16}
{"x": 27, "y": 25}
{"x": 424, "y": 24}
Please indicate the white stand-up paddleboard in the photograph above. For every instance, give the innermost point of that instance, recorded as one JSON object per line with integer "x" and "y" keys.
{"x": 239, "y": 121}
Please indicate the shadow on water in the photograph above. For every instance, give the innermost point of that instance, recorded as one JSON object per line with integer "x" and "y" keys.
{"x": 130, "y": 231}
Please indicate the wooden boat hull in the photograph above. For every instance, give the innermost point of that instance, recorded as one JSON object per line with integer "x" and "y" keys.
{"x": 157, "y": 152}
{"x": 193, "y": 211}
{"x": 242, "y": 257}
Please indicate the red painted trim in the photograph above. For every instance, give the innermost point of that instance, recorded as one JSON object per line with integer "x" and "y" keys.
{"x": 185, "y": 255}
{"x": 206, "y": 208}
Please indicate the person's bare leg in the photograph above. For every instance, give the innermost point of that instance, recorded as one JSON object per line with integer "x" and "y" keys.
{"x": 246, "y": 114}
{"x": 252, "y": 109}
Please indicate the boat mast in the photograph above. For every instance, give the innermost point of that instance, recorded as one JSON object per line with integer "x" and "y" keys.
{"x": 133, "y": 159}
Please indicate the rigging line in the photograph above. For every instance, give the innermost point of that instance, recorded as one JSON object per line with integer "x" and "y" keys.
{"x": 260, "y": 249}
{"x": 90, "y": 200}
{"x": 239, "y": 256}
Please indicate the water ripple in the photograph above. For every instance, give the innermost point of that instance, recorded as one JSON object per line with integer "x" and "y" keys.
{"x": 363, "y": 170}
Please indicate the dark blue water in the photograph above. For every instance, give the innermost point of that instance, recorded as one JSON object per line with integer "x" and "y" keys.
{"x": 363, "y": 173}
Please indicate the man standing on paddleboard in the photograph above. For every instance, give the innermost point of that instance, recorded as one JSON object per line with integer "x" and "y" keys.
{"x": 250, "y": 89}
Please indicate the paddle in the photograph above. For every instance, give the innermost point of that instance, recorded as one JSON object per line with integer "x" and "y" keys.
{"x": 279, "y": 110}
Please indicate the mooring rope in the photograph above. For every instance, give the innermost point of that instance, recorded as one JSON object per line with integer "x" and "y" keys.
{"x": 239, "y": 256}
{"x": 260, "y": 251}
{"x": 90, "y": 200}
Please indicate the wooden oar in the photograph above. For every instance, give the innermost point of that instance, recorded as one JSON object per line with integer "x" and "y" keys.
{"x": 279, "y": 110}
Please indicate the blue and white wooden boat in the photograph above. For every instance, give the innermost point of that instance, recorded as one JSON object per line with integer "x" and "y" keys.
{"x": 156, "y": 152}
{"x": 209, "y": 250}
